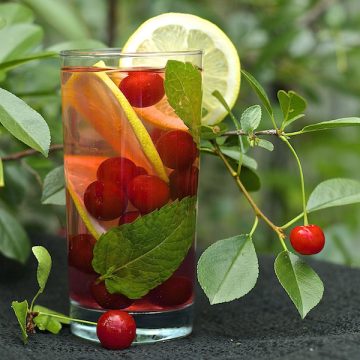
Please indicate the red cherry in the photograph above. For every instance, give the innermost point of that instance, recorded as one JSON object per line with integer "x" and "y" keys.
{"x": 117, "y": 170}
{"x": 107, "y": 300}
{"x": 156, "y": 133}
{"x": 184, "y": 182}
{"x": 177, "y": 149}
{"x": 143, "y": 88}
{"x": 128, "y": 217}
{"x": 140, "y": 171}
{"x": 175, "y": 291}
{"x": 307, "y": 239}
{"x": 81, "y": 252}
{"x": 147, "y": 193}
{"x": 105, "y": 201}
{"x": 116, "y": 329}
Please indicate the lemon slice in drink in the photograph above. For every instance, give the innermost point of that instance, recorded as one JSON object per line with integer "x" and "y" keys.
{"x": 176, "y": 32}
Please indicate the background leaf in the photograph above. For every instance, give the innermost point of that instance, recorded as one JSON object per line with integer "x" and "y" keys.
{"x": 292, "y": 106}
{"x": 299, "y": 280}
{"x": 228, "y": 269}
{"x": 332, "y": 124}
{"x": 54, "y": 187}
{"x": 21, "y": 310}
{"x": 268, "y": 145}
{"x": 44, "y": 265}
{"x": 23, "y": 122}
{"x": 77, "y": 44}
{"x": 212, "y": 132}
{"x": 14, "y": 13}
{"x": 250, "y": 118}
{"x": 8, "y": 65}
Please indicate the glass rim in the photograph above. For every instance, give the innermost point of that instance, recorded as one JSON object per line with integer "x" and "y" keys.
{"x": 117, "y": 52}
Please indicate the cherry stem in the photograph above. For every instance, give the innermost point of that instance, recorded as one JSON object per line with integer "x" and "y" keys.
{"x": 248, "y": 197}
{"x": 285, "y": 140}
{"x": 256, "y": 221}
{"x": 292, "y": 221}
{"x": 67, "y": 318}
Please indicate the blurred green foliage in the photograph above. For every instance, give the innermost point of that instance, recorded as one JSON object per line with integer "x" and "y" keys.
{"x": 310, "y": 46}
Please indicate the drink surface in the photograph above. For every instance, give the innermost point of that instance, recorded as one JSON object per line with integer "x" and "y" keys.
{"x": 126, "y": 155}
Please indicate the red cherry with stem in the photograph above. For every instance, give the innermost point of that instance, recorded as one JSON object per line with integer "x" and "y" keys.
{"x": 147, "y": 193}
{"x": 105, "y": 201}
{"x": 107, "y": 300}
{"x": 143, "y": 88}
{"x": 117, "y": 170}
{"x": 177, "y": 149}
{"x": 173, "y": 292}
{"x": 116, "y": 329}
{"x": 307, "y": 239}
{"x": 81, "y": 252}
{"x": 184, "y": 182}
{"x": 140, "y": 171}
{"x": 129, "y": 217}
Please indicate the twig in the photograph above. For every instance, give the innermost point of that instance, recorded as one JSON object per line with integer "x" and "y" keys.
{"x": 29, "y": 152}
{"x": 260, "y": 132}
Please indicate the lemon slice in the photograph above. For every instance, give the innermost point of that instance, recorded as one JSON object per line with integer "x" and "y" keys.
{"x": 176, "y": 32}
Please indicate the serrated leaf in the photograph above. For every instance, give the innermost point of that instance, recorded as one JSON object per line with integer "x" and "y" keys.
{"x": 44, "y": 265}
{"x": 292, "y": 106}
{"x": 23, "y": 122}
{"x": 250, "y": 118}
{"x": 54, "y": 187}
{"x": 228, "y": 269}
{"x": 65, "y": 320}
{"x": 234, "y": 153}
{"x": 184, "y": 91}
{"x": 212, "y": 132}
{"x": 21, "y": 310}
{"x": 334, "y": 192}
{"x": 16, "y": 13}
{"x": 299, "y": 280}
{"x": 14, "y": 242}
{"x": 332, "y": 124}
{"x": 265, "y": 144}
{"x": 137, "y": 257}
{"x": 2, "y": 183}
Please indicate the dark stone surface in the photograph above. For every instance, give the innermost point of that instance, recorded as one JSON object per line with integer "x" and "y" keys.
{"x": 263, "y": 325}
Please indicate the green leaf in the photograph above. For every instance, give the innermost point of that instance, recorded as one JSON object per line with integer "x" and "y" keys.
{"x": 259, "y": 91}
{"x": 8, "y": 65}
{"x": 48, "y": 322}
{"x": 16, "y": 13}
{"x": 137, "y": 257}
{"x": 61, "y": 15}
{"x": 334, "y": 192}
{"x": 331, "y": 124}
{"x": 212, "y": 132}
{"x": 44, "y": 265}
{"x": 65, "y": 320}
{"x": 16, "y": 40}
{"x": 184, "y": 92}
{"x": 14, "y": 242}
{"x": 268, "y": 145}
{"x": 250, "y": 179}
{"x": 2, "y": 183}
{"x": 228, "y": 269}
{"x": 21, "y": 311}
{"x": 23, "y": 122}
{"x": 300, "y": 281}
{"x": 77, "y": 44}
{"x": 54, "y": 187}
{"x": 292, "y": 106}
{"x": 250, "y": 118}
{"x": 234, "y": 153}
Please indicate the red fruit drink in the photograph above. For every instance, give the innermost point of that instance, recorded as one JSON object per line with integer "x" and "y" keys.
{"x": 127, "y": 155}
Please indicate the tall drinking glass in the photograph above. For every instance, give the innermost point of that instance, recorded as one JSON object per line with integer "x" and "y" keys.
{"x": 131, "y": 170}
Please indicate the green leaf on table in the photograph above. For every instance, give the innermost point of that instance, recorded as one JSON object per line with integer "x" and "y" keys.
{"x": 23, "y": 122}
{"x": 292, "y": 106}
{"x": 299, "y": 280}
{"x": 77, "y": 44}
{"x": 64, "y": 320}
{"x": 14, "y": 242}
{"x": 234, "y": 153}
{"x": 54, "y": 187}
{"x": 48, "y": 322}
{"x": 2, "y": 183}
{"x": 21, "y": 311}
{"x": 44, "y": 265}
{"x": 250, "y": 118}
{"x": 135, "y": 258}
{"x": 265, "y": 144}
{"x": 228, "y": 269}
{"x": 331, "y": 124}
{"x": 184, "y": 91}
{"x": 334, "y": 192}
{"x": 16, "y": 13}
{"x": 212, "y": 132}
{"x": 259, "y": 91}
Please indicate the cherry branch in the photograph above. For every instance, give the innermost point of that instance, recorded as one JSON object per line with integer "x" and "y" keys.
{"x": 260, "y": 132}
{"x": 29, "y": 152}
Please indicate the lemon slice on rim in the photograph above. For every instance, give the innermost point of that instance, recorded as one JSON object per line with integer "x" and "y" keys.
{"x": 221, "y": 63}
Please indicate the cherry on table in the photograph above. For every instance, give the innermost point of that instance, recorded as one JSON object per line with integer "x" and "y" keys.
{"x": 143, "y": 88}
{"x": 116, "y": 329}
{"x": 105, "y": 201}
{"x": 177, "y": 149}
{"x": 148, "y": 192}
{"x": 184, "y": 182}
{"x": 80, "y": 254}
{"x": 173, "y": 292}
{"x": 307, "y": 239}
{"x": 107, "y": 300}
{"x": 129, "y": 217}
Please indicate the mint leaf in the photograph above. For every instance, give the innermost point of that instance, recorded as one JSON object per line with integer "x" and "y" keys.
{"x": 228, "y": 269}
{"x": 184, "y": 92}
{"x": 299, "y": 280}
{"x": 23, "y": 122}
{"x": 44, "y": 265}
{"x": 292, "y": 106}
{"x": 39, "y": 308}
{"x": 331, "y": 124}
{"x": 334, "y": 192}
{"x": 2, "y": 183}
{"x": 135, "y": 258}
{"x": 250, "y": 118}
{"x": 21, "y": 311}
{"x": 54, "y": 187}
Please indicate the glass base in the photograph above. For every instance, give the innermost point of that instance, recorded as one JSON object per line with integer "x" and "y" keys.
{"x": 150, "y": 326}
